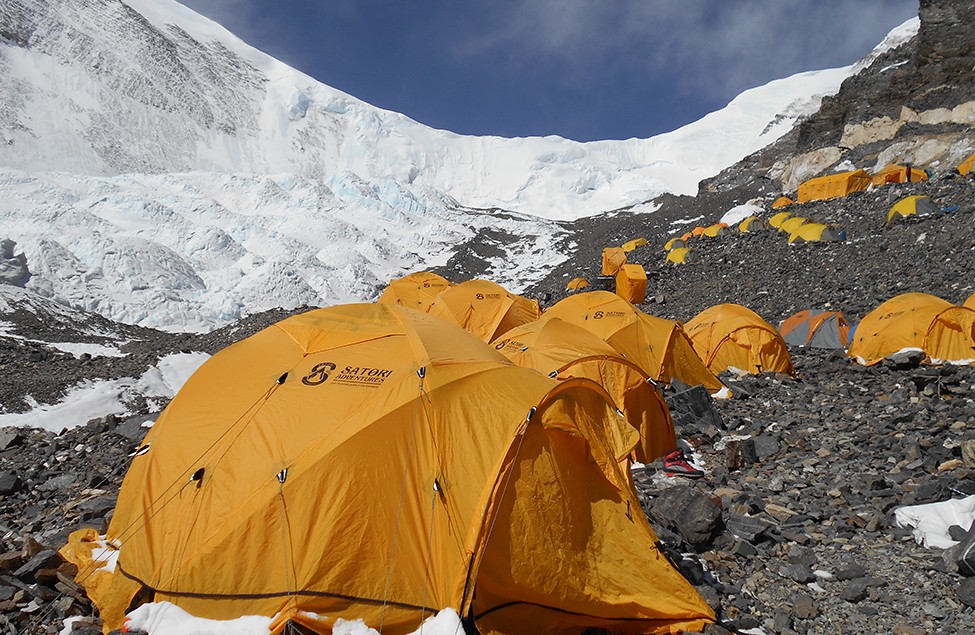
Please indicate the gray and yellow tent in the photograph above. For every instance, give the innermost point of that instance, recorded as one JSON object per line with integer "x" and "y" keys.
{"x": 373, "y": 462}
{"x": 778, "y": 218}
{"x": 816, "y": 329}
{"x": 674, "y": 243}
{"x": 792, "y": 223}
{"x": 816, "y": 232}
{"x": 833, "y": 186}
{"x": 893, "y": 173}
{"x": 681, "y": 256}
{"x": 752, "y": 224}
{"x": 911, "y": 206}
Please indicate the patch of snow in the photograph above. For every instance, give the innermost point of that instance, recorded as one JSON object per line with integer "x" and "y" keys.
{"x": 931, "y": 521}
{"x": 737, "y": 214}
{"x": 80, "y": 348}
{"x": 687, "y": 221}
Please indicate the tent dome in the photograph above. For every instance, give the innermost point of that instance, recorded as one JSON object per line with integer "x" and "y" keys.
{"x": 484, "y": 308}
{"x": 730, "y": 335}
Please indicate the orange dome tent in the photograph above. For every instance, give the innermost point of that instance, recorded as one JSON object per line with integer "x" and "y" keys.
{"x": 630, "y": 245}
{"x": 967, "y": 165}
{"x": 562, "y": 350}
{"x": 577, "y": 283}
{"x": 484, "y": 308}
{"x": 730, "y": 335}
{"x": 415, "y": 291}
{"x": 373, "y": 462}
{"x": 782, "y": 201}
{"x": 658, "y": 346}
{"x": 943, "y": 331}
{"x": 816, "y": 329}
{"x": 893, "y": 173}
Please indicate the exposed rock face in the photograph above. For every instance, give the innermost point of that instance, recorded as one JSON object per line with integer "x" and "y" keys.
{"x": 13, "y": 268}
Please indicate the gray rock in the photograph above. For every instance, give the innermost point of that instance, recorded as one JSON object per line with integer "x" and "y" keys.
{"x": 693, "y": 411}
{"x": 10, "y": 483}
{"x": 10, "y": 437}
{"x": 855, "y": 591}
{"x": 904, "y": 360}
{"x": 693, "y": 516}
{"x": 966, "y": 592}
{"x": 47, "y": 559}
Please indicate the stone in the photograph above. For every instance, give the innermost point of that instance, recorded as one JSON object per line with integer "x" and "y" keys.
{"x": 904, "y": 360}
{"x": 696, "y": 518}
{"x": 740, "y": 453}
{"x": 10, "y": 437}
{"x": 966, "y": 592}
{"x": 805, "y": 607}
{"x": 693, "y": 411}
{"x": 48, "y": 558}
{"x": 10, "y": 483}
{"x": 855, "y": 591}
{"x": 968, "y": 453}
{"x": 799, "y": 572}
{"x": 747, "y": 527}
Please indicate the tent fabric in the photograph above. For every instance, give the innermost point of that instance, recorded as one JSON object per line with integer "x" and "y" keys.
{"x": 967, "y": 165}
{"x": 660, "y": 347}
{"x": 970, "y": 302}
{"x": 782, "y": 201}
{"x": 613, "y": 259}
{"x": 792, "y": 223}
{"x": 698, "y": 231}
{"x": 576, "y": 283}
{"x": 833, "y": 186}
{"x": 816, "y": 329}
{"x": 777, "y": 219}
{"x": 893, "y": 173}
{"x": 943, "y": 331}
{"x": 484, "y": 308}
{"x": 414, "y": 291}
{"x": 630, "y": 245}
{"x": 910, "y": 206}
{"x": 816, "y": 232}
{"x": 373, "y": 462}
{"x": 713, "y": 231}
{"x": 752, "y": 224}
{"x": 631, "y": 283}
{"x": 562, "y": 350}
{"x": 732, "y": 336}
{"x": 674, "y": 243}
{"x": 680, "y": 255}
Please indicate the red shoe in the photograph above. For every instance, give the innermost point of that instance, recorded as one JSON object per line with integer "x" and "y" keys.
{"x": 676, "y": 464}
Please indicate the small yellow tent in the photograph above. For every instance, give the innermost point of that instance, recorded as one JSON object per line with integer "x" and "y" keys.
{"x": 416, "y": 291}
{"x": 967, "y": 165}
{"x": 562, "y": 350}
{"x": 369, "y": 461}
{"x": 833, "y": 186}
{"x": 752, "y": 224}
{"x": 779, "y": 218}
{"x": 791, "y": 224}
{"x": 713, "y": 231}
{"x": 613, "y": 259}
{"x": 816, "y": 232}
{"x": 630, "y": 245}
{"x": 577, "y": 283}
{"x": 732, "y": 336}
{"x": 893, "y": 173}
{"x": 945, "y": 332}
{"x": 674, "y": 243}
{"x": 658, "y": 346}
{"x": 782, "y": 201}
{"x": 911, "y": 206}
{"x": 680, "y": 256}
{"x": 484, "y": 308}
{"x": 631, "y": 284}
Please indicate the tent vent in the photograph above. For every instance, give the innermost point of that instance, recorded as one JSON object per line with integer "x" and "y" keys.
{"x": 524, "y": 348}
{"x": 142, "y": 450}
{"x": 531, "y": 413}
{"x": 620, "y": 412}
{"x": 282, "y": 378}
{"x": 553, "y": 374}
{"x": 436, "y": 485}
{"x": 198, "y": 475}
{"x": 283, "y": 475}
{"x": 422, "y": 372}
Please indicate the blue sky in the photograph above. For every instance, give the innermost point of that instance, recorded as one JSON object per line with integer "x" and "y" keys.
{"x": 581, "y": 69}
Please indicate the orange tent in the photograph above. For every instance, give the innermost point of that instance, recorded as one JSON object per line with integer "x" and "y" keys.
{"x": 966, "y": 166}
{"x": 577, "y": 283}
{"x": 782, "y": 201}
{"x": 698, "y": 231}
{"x": 943, "y": 331}
{"x": 658, "y": 346}
{"x": 833, "y": 186}
{"x": 613, "y": 259}
{"x": 484, "y": 308}
{"x": 731, "y": 336}
{"x": 631, "y": 284}
{"x": 416, "y": 291}
{"x": 562, "y": 350}
{"x": 816, "y": 329}
{"x": 893, "y": 173}
{"x": 369, "y": 461}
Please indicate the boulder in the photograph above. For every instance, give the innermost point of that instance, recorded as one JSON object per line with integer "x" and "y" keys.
{"x": 696, "y": 518}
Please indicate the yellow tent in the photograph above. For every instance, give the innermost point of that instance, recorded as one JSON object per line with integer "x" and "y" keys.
{"x": 416, "y": 291}
{"x": 680, "y": 255}
{"x": 577, "y": 283}
{"x": 782, "y": 201}
{"x": 967, "y": 165}
{"x": 370, "y": 461}
{"x": 730, "y": 335}
{"x": 658, "y": 346}
{"x": 833, "y": 186}
{"x": 893, "y": 173}
{"x": 631, "y": 284}
{"x": 970, "y": 302}
{"x": 713, "y": 231}
{"x": 562, "y": 350}
{"x": 911, "y": 206}
{"x": 613, "y": 259}
{"x": 791, "y": 224}
{"x": 816, "y": 232}
{"x": 484, "y": 308}
{"x": 777, "y": 219}
{"x": 945, "y": 332}
{"x": 674, "y": 243}
{"x": 633, "y": 244}
{"x": 752, "y": 224}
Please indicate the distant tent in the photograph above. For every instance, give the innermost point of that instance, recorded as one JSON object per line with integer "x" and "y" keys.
{"x": 816, "y": 329}
{"x": 660, "y": 347}
{"x": 943, "y": 331}
{"x": 833, "y": 186}
{"x": 563, "y": 350}
{"x": 631, "y": 283}
{"x": 793, "y": 223}
{"x": 577, "y": 283}
{"x": 713, "y": 231}
{"x": 698, "y": 231}
{"x": 630, "y": 245}
{"x": 732, "y": 336}
{"x": 681, "y": 255}
{"x": 416, "y": 291}
{"x": 613, "y": 259}
{"x": 967, "y": 165}
{"x": 752, "y": 224}
{"x": 816, "y": 232}
{"x": 782, "y": 201}
{"x": 893, "y": 173}
{"x": 674, "y": 243}
{"x": 369, "y": 461}
{"x": 911, "y": 206}
{"x": 484, "y": 308}
{"x": 777, "y": 219}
